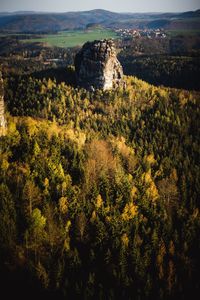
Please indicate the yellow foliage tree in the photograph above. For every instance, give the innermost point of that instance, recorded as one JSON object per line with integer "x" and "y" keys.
{"x": 99, "y": 202}
{"x": 150, "y": 159}
{"x": 151, "y": 191}
{"x": 125, "y": 240}
{"x": 93, "y": 217}
{"x": 63, "y": 205}
{"x": 129, "y": 212}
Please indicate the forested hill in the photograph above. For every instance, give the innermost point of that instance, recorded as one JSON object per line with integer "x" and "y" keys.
{"x": 99, "y": 192}
{"x": 53, "y": 22}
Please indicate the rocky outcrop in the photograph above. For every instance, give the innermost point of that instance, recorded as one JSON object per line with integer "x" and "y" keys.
{"x": 97, "y": 66}
{"x": 2, "y": 113}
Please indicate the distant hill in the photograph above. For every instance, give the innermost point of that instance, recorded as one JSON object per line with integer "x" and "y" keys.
{"x": 53, "y": 22}
{"x": 191, "y": 14}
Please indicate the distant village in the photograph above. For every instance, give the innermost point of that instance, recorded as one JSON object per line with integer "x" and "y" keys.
{"x": 137, "y": 33}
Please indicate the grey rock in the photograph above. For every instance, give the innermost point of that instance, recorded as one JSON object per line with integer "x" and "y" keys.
{"x": 2, "y": 108}
{"x": 97, "y": 66}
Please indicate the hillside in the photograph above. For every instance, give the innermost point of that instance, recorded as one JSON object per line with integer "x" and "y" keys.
{"x": 53, "y": 22}
{"x": 99, "y": 191}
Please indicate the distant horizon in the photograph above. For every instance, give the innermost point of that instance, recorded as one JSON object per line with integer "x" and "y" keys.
{"x": 118, "y": 6}
{"x": 102, "y": 9}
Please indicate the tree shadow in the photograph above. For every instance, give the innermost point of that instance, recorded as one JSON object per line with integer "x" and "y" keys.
{"x": 66, "y": 75}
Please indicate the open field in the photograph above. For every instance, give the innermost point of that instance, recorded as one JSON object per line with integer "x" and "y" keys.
{"x": 73, "y": 38}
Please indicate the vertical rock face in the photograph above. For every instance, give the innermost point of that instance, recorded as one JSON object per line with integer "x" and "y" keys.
{"x": 97, "y": 66}
{"x": 2, "y": 116}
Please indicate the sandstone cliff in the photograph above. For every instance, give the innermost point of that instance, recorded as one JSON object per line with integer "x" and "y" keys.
{"x": 2, "y": 116}
{"x": 97, "y": 66}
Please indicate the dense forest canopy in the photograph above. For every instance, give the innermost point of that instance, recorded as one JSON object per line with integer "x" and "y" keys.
{"x": 99, "y": 191}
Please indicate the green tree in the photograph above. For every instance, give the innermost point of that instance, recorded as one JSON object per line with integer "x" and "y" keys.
{"x": 8, "y": 230}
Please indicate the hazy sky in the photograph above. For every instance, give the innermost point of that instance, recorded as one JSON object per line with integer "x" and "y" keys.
{"x": 113, "y": 5}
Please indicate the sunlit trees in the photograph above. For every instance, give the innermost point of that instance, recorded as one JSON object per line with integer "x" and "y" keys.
{"x": 108, "y": 185}
{"x": 31, "y": 197}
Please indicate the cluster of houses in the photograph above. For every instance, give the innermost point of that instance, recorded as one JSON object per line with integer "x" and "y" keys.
{"x": 137, "y": 33}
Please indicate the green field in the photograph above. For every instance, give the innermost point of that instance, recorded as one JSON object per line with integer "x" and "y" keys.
{"x": 73, "y": 38}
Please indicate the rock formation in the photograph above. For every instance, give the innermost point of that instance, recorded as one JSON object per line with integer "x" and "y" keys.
{"x": 2, "y": 116}
{"x": 97, "y": 66}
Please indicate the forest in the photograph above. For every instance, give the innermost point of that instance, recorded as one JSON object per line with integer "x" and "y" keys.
{"x": 172, "y": 62}
{"x": 99, "y": 191}
{"x": 180, "y": 71}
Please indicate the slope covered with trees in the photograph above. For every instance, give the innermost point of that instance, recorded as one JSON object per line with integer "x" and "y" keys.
{"x": 35, "y": 22}
{"x": 173, "y": 61}
{"x": 99, "y": 191}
